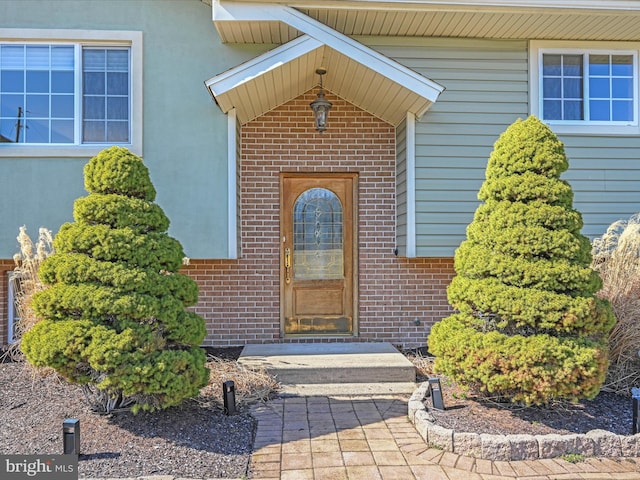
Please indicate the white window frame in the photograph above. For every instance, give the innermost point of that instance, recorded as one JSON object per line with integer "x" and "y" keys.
{"x": 97, "y": 38}
{"x": 538, "y": 48}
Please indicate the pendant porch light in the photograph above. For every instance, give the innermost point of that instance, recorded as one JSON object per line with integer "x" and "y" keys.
{"x": 321, "y": 105}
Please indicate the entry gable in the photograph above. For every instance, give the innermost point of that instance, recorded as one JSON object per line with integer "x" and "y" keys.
{"x": 358, "y": 74}
{"x": 271, "y": 79}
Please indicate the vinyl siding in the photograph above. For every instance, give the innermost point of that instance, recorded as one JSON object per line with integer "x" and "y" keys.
{"x": 486, "y": 90}
{"x": 605, "y": 175}
{"x": 486, "y": 85}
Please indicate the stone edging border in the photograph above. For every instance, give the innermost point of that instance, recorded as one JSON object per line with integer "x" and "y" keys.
{"x": 595, "y": 443}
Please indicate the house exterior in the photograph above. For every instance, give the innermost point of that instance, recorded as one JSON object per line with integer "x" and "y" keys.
{"x": 295, "y": 234}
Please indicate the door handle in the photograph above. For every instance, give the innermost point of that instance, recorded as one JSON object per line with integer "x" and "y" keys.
{"x": 287, "y": 265}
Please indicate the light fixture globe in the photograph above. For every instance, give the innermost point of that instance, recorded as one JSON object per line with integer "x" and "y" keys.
{"x": 321, "y": 108}
{"x": 321, "y": 105}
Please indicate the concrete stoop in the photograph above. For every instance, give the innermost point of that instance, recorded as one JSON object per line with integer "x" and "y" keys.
{"x": 334, "y": 368}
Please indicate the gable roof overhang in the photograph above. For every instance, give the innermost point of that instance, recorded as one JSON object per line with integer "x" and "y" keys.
{"x": 610, "y": 20}
{"x": 355, "y": 73}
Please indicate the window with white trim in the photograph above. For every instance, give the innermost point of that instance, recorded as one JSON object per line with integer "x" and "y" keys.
{"x": 69, "y": 92}
{"x": 585, "y": 89}
{"x": 47, "y": 91}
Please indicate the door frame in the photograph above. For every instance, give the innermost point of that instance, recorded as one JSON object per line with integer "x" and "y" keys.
{"x": 354, "y": 250}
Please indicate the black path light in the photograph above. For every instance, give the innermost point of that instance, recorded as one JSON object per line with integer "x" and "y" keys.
{"x": 71, "y": 436}
{"x": 321, "y": 105}
{"x": 635, "y": 403}
{"x": 229, "y": 397}
{"x": 435, "y": 392}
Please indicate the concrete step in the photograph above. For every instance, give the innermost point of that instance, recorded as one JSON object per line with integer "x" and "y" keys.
{"x": 331, "y": 363}
{"x": 340, "y": 389}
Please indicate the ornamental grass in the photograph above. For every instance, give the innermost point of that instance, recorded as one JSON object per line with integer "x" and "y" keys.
{"x": 616, "y": 257}
{"x": 25, "y": 282}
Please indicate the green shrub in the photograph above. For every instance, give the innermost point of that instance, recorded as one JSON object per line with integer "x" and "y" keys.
{"x": 531, "y": 369}
{"x": 528, "y": 328}
{"x": 113, "y": 317}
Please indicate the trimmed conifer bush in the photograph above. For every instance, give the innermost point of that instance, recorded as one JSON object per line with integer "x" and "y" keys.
{"x": 528, "y": 327}
{"x": 114, "y": 317}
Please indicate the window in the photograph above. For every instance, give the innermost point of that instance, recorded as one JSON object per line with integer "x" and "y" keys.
{"x": 585, "y": 89}
{"x": 38, "y": 85}
{"x": 70, "y": 96}
{"x": 105, "y": 95}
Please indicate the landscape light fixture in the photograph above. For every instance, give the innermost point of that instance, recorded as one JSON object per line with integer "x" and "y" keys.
{"x": 635, "y": 405}
{"x": 229, "y": 397}
{"x": 436, "y": 393}
{"x": 321, "y": 105}
{"x": 71, "y": 436}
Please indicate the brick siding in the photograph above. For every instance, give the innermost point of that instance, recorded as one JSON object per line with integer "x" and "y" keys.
{"x": 240, "y": 299}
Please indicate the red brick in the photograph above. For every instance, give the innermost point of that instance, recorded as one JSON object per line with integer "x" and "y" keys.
{"x": 240, "y": 298}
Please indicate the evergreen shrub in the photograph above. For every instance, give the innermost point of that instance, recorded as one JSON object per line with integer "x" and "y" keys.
{"x": 528, "y": 327}
{"x": 114, "y": 317}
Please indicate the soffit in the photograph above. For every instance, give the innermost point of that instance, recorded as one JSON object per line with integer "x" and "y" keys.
{"x": 543, "y": 20}
{"x": 258, "y": 86}
{"x": 542, "y": 25}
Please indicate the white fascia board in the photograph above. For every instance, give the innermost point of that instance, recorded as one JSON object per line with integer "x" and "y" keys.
{"x": 243, "y": 11}
{"x": 248, "y": 71}
{"x": 411, "y": 185}
{"x": 232, "y": 162}
{"x": 333, "y": 39}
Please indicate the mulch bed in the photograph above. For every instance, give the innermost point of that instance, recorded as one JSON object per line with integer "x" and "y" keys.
{"x": 194, "y": 440}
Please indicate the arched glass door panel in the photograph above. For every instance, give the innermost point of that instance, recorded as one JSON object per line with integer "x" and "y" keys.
{"x": 317, "y": 236}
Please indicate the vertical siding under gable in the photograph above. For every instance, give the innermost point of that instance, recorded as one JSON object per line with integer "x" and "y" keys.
{"x": 486, "y": 85}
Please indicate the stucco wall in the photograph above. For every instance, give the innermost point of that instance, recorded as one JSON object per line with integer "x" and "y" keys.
{"x": 184, "y": 132}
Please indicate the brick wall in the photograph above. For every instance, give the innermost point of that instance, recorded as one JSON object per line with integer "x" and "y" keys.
{"x": 240, "y": 298}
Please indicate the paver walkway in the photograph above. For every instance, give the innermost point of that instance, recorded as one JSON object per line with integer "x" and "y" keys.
{"x": 371, "y": 438}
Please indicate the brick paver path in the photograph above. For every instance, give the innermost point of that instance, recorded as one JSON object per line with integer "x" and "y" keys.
{"x": 371, "y": 438}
